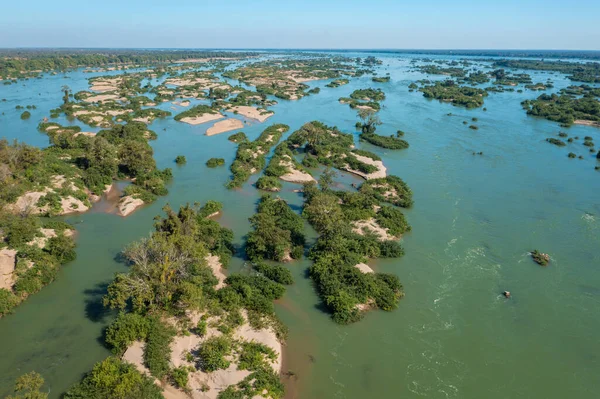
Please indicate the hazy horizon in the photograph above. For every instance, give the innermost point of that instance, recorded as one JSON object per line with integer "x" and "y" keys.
{"x": 380, "y": 24}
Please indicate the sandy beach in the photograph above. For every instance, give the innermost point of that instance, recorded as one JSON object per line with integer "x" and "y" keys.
{"x": 252, "y": 112}
{"x": 224, "y": 126}
{"x": 198, "y": 120}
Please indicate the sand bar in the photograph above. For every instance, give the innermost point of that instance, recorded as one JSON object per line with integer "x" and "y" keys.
{"x": 198, "y": 120}
{"x": 224, "y": 126}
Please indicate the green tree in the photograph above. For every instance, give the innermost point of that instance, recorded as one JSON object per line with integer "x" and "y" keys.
{"x": 28, "y": 386}
{"x": 370, "y": 121}
{"x": 327, "y": 178}
{"x": 67, "y": 91}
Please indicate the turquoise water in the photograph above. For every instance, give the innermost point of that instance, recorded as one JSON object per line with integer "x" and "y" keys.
{"x": 475, "y": 219}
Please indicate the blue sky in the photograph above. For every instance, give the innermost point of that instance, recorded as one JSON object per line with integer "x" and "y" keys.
{"x": 432, "y": 24}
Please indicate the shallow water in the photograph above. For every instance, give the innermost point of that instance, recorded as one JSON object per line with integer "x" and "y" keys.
{"x": 475, "y": 219}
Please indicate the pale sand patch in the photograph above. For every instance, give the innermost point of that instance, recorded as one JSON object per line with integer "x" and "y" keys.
{"x": 28, "y": 202}
{"x": 41, "y": 242}
{"x": 128, "y": 205}
{"x": 266, "y": 337}
{"x": 197, "y": 120}
{"x": 105, "y": 84}
{"x": 294, "y": 175}
{"x": 135, "y": 355}
{"x": 87, "y": 134}
{"x": 363, "y": 307}
{"x": 381, "y": 169}
{"x": 252, "y": 112}
{"x": 365, "y": 107}
{"x": 101, "y": 88}
{"x": 96, "y": 198}
{"x": 58, "y": 181}
{"x": 51, "y": 128}
{"x": 586, "y": 123}
{"x": 370, "y": 225}
{"x": 300, "y": 79}
{"x": 363, "y": 267}
{"x": 118, "y": 112}
{"x": 215, "y": 265}
{"x": 224, "y": 126}
{"x": 101, "y": 97}
{"x": 8, "y": 260}
{"x": 72, "y": 205}
{"x": 145, "y": 120}
{"x": 181, "y": 104}
{"x": 216, "y": 381}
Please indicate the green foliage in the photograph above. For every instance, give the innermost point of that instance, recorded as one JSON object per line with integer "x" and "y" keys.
{"x": 157, "y": 351}
{"x": 390, "y": 142}
{"x": 564, "y": 108}
{"x": 449, "y": 91}
{"x": 28, "y": 386}
{"x": 18, "y": 230}
{"x": 125, "y": 330}
{"x": 380, "y": 79}
{"x": 254, "y": 356}
{"x": 210, "y": 208}
{"x": 238, "y": 137}
{"x": 556, "y": 142}
{"x": 180, "y": 160}
{"x": 540, "y": 258}
{"x": 277, "y": 230}
{"x": 195, "y": 111}
{"x": 344, "y": 289}
{"x": 436, "y": 70}
{"x": 268, "y": 183}
{"x": 390, "y": 189}
{"x": 277, "y": 273}
{"x": 582, "y": 72}
{"x": 26, "y": 115}
{"x": 250, "y": 156}
{"x": 256, "y": 384}
{"x": 114, "y": 379}
{"x": 8, "y": 301}
{"x": 214, "y": 162}
{"x": 393, "y": 219}
{"x": 179, "y": 375}
{"x": 180, "y": 280}
{"x": 62, "y": 248}
{"x": 337, "y": 83}
{"x": 368, "y": 94}
{"x": 213, "y": 352}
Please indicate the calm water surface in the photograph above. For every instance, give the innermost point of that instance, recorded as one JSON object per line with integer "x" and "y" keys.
{"x": 475, "y": 219}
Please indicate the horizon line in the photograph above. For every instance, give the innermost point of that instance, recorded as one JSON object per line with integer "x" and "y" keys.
{"x": 291, "y": 48}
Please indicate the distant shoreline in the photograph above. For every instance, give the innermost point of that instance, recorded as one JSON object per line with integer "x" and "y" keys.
{"x": 519, "y": 53}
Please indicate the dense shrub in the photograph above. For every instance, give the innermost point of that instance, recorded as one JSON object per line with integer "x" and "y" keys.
{"x": 215, "y": 162}
{"x": 277, "y": 230}
{"x": 276, "y": 273}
